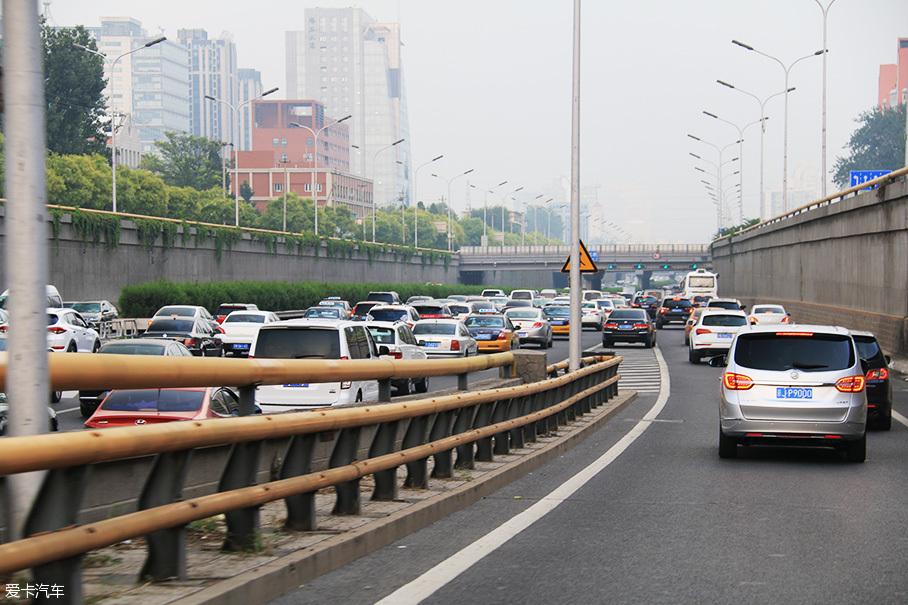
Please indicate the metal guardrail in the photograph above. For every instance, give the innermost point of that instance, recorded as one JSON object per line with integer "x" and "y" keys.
{"x": 478, "y": 426}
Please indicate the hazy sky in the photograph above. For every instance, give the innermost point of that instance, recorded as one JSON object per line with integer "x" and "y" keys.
{"x": 489, "y": 86}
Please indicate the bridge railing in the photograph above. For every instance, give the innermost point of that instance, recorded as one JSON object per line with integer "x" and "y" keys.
{"x": 604, "y": 250}
{"x": 478, "y": 426}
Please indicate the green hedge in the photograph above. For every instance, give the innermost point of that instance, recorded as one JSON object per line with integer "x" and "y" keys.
{"x": 144, "y": 300}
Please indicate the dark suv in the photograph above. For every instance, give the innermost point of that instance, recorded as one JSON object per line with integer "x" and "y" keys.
{"x": 650, "y": 304}
{"x": 673, "y": 309}
{"x": 879, "y": 388}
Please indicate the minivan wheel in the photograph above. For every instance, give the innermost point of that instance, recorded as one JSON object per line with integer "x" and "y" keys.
{"x": 728, "y": 447}
{"x": 856, "y": 451}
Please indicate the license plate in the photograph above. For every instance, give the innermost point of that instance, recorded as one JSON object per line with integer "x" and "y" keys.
{"x": 626, "y": 327}
{"x": 725, "y": 335}
{"x": 298, "y": 384}
{"x": 432, "y": 345}
{"x": 483, "y": 337}
{"x": 241, "y": 346}
{"x": 522, "y": 334}
{"x": 557, "y": 322}
{"x": 794, "y": 393}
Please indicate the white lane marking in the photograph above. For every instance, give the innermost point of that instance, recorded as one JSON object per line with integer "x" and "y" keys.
{"x": 66, "y": 410}
{"x": 434, "y": 579}
{"x": 900, "y": 418}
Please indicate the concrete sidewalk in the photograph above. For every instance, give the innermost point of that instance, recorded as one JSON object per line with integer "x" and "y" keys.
{"x": 287, "y": 559}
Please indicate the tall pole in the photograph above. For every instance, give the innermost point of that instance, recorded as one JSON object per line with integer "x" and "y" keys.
{"x": 375, "y": 155}
{"x": 504, "y": 206}
{"x": 485, "y": 209}
{"x": 236, "y": 149}
{"x": 113, "y": 112}
{"x": 416, "y": 202}
{"x": 575, "y": 326}
{"x": 825, "y": 51}
{"x": 313, "y": 180}
{"x": 762, "y": 104}
{"x": 26, "y": 246}
{"x": 787, "y": 71}
{"x": 286, "y": 186}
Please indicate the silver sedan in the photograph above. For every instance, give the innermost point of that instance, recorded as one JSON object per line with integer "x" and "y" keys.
{"x": 532, "y": 326}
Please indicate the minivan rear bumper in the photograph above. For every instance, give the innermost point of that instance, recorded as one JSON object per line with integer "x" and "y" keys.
{"x": 811, "y": 433}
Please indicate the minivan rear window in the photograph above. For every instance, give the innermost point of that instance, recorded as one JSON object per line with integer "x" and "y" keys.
{"x": 807, "y": 352}
{"x": 298, "y": 343}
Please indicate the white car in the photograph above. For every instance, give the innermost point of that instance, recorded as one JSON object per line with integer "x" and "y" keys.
{"x": 462, "y": 309}
{"x": 445, "y": 338}
{"x": 193, "y": 311}
{"x": 240, "y": 328}
{"x": 769, "y": 314}
{"x": 402, "y": 344}
{"x": 606, "y": 305}
{"x": 313, "y": 339}
{"x": 592, "y": 315}
{"x": 68, "y": 331}
{"x": 404, "y": 313}
{"x": 713, "y": 333}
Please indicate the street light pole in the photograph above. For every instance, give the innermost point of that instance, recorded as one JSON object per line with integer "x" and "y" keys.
{"x": 375, "y": 155}
{"x": 113, "y": 113}
{"x": 740, "y": 155}
{"x": 313, "y": 178}
{"x": 718, "y": 168}
{"x": 762, "y": 134}
{"x": 236, "y": 149}
{"x": 825, "y": 50}
{"x": 787, "y": 70}
{"x": 416, "y": 204}
{"x": 450, "y": 210}
{"x": 503, "y": 208}
{"x": 485, "y": 209}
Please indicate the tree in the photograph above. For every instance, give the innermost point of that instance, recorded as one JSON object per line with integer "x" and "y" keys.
{"x": 186, "y": 161}
{"x": 246, "y": 192}
{"x": 300, "y": 217}
{"x": 140, "y": 192}
{"x": 878, "y": 144}
{"x": 183, "y": 203}
{"x": 73, "y": 92}
{"x": 79, "y": 180}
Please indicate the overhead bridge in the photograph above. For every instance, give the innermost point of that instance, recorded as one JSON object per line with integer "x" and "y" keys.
{"x": 540, "y": 266}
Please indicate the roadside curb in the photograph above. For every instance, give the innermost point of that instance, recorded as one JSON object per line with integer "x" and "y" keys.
{"x": 272, "y": 579}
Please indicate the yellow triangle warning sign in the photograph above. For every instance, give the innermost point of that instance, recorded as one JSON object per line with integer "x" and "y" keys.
{"x": 587, "y": 264}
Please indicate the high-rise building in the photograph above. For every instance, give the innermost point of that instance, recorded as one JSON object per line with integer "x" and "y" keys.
{"x": 893, "y": 87}
{"x": 212, "y": 71}
{"x": 151, "y": 85}
{"x": 352, "y": 64}
{"x": 250, "y": 87}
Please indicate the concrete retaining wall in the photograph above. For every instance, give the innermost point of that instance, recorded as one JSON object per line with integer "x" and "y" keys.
{"x": 844, "y": 263}
{"x": 86, "y": 271}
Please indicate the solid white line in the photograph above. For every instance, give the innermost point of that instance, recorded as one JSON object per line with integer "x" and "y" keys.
{"x": 434, "y": 579}
{"x": 900, "y": 418}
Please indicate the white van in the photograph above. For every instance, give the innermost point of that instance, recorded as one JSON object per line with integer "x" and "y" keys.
{"x": 54, "y": 300}
{"x": 314, "y": 339}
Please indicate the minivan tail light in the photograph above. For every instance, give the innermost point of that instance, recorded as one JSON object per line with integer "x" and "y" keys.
{"x": 737, "y": 382}
{"x": 880, "y": 374}
{"x": 850, "y": 384}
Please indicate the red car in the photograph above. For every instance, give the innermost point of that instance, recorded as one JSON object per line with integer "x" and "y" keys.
{"x": 154, "y": 406}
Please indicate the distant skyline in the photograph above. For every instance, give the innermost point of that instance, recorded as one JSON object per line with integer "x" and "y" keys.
{"x": 489, "y": 86}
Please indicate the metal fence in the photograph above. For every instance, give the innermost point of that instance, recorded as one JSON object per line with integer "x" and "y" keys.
{"x": 374, "y": 439}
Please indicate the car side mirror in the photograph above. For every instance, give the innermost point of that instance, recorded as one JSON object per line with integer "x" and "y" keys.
{"x": 888, "y": 359}
{"x": 384, "y": 350}
{"x": 719, "y": 361}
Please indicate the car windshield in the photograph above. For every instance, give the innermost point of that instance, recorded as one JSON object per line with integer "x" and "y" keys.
{"x": 627, "y": 314}
{"x": 87, "y": 307}
{"x": 154, "y": 400}
{"x": 436, "y": 329}
{"x": 382, "y": 335}
{"x": 484, "y": 322}
{"x": 769, "y": 309}
{"x": 794, "y": 350}
{"x": 388, "y": 314}
{"x": 557, "y": 311}
{"x": 324, "y": 312}
{"x": 127, "y": 348}
{"x": 298, "y": 343}
{"x": 244, "y": 318}
{"x": 523, "y": 314}
{"x": 723, "y": 320}
{"x": 161, "y": 326}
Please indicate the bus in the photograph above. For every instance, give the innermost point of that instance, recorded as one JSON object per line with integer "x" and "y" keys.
{"x": 699, "y": 283}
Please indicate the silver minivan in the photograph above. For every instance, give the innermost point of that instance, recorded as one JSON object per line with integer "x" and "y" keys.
{"x": 314, "y": 339}
{"x": 800, "y": 385}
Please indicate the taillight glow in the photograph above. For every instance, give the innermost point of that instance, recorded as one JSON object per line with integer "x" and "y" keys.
{"x": 502, "y": 336}
{"x": 56, "y": 330}
{"x": 880, "y": 374}
{"x": 538, "y": 324}
{"x": 786, "y": 319}
{"x": 737, "y": 382}
{"x": 611, "y": 326}
{"x": 850, "y": 384}
{"x": 189, "y": 342}
{"x": 794, "y": 334}
{"x": 640, "y": 326}
{"x": 703, "y": 331}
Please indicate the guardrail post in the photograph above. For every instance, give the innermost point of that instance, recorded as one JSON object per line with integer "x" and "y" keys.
{"x": 247, "y": 401}
{"x": 383, "y": 443}
{"x": 298, "y": 461}
{"x": 384, "y": 390}
{"x": 240, "y": 471}
{"x": 501, "y": 413}
{"x": 164, "y": 485}
{"x": 549, "y": 424}
{"x": 465, "y": 453}
{"x": 418, "y": 471}
{"x": 56, "y": 506}
{"x": 444, "y": 461}
{"x": 484, "y": 418}
{"x": 345, "y": 451}
{"x": 586, "y": 404}
{"x": 463, "y": 384}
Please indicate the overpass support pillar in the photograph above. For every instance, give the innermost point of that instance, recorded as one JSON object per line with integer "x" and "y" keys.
{"x": 645, "y": 279}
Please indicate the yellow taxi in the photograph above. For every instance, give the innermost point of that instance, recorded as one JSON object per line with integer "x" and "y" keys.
{"x": 492, "y": 332}
{"x": 560, "y": 318}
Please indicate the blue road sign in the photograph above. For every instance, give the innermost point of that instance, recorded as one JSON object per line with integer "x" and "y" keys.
{"x": 595, "y": 255}
{"x": 862, "y": 176}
